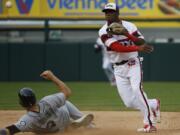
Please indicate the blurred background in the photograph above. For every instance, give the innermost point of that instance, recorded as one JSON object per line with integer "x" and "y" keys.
{"x": 60, "y": 34}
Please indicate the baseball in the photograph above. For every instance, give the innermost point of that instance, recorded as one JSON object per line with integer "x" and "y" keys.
{"x": 8, "y": 4}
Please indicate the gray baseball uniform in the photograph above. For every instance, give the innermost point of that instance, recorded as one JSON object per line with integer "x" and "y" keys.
{"x": 106, "y": 64}
{"x": 55, "y": 115}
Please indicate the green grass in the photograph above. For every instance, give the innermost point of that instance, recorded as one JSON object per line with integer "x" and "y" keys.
{"x": 92, "y": 95}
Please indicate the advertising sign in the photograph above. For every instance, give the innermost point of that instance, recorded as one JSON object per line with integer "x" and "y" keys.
{"x": 90, "y": 9}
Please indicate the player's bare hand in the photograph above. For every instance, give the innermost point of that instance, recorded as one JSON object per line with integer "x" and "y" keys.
{"x": 47, "y": 74}
{"x": 146, "y": 48}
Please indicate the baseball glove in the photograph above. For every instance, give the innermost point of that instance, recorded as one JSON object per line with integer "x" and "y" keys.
{"x": 116, "y": 29}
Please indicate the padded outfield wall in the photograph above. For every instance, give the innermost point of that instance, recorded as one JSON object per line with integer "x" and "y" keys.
{"x": 78, "y": 62}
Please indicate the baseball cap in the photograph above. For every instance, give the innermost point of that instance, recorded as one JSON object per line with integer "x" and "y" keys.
{"x": 110, "y": 6}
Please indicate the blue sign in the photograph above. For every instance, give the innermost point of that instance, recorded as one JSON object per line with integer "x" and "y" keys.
{"x": 1, "y": 6}
{"x": 24, "y": 6}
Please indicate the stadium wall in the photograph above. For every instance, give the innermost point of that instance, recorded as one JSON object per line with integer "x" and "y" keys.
{"x": 78, "y": 62}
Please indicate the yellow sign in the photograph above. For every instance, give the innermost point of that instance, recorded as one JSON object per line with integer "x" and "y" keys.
{"x": 90, "y": 9}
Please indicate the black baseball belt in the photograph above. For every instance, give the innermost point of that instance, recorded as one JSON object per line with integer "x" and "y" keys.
{"x": 121, "y": 63}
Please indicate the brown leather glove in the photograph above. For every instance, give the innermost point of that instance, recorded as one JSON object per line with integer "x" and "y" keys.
{"x": 116, "y": 29}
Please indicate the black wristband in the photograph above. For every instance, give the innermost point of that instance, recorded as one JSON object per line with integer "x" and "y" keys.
{"x": 13, "y": 129}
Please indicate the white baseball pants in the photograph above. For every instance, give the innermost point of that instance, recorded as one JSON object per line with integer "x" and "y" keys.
{"x": 129, "y": 84}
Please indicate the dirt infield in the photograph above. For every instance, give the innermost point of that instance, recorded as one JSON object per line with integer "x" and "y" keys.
{"x": 111, "y": 123}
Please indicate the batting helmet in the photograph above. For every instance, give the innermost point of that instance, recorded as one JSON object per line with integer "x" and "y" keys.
{"x": 27, "y": 97}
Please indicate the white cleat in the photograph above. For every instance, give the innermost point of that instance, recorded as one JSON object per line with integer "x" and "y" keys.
{"x": 157, "y": 112}
{"x": 84, "y": 121}
{"x": 147, "y": 129}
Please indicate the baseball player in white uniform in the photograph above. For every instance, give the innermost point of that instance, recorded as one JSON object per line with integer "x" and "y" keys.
{"x": 106, "y": 64}
{"x": 52, "y": 113}
{"x": 123, "y": 52}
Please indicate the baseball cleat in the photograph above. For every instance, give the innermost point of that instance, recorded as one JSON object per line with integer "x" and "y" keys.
{"x": 84, "y": 121}
{"x": 147, "y": 129}
{"x": 157, "y": 113}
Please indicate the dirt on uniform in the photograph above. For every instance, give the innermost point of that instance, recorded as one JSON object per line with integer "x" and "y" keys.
{"x": 110, "y": 123}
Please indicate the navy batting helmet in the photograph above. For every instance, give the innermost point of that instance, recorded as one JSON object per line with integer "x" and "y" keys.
{"x": 27, "y": 97}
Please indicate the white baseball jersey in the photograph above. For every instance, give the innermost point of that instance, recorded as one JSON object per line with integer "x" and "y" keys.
{"x": 118, "y": 56}
{"x": 128, "y": 75}
{"x": 53, "y": 116}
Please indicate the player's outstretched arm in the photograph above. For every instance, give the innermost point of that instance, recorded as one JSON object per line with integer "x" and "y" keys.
{"x": 47, "y": 74}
